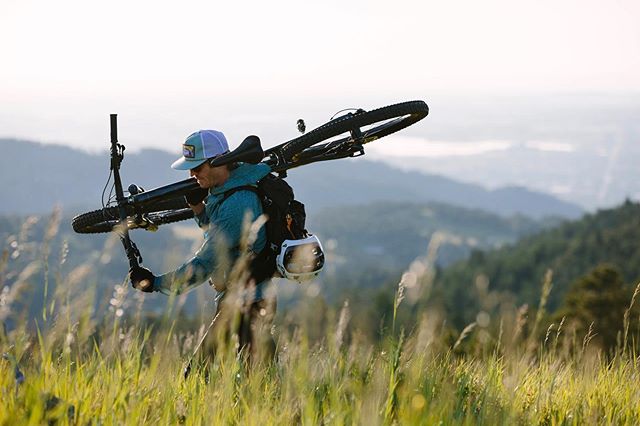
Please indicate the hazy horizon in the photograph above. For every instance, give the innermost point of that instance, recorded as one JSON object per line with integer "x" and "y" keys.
{"x": 508, "y": 83}
{"x": 169, "y": 69}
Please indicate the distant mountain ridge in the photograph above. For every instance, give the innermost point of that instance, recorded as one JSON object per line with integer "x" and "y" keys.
{"x": 36, "y": 176}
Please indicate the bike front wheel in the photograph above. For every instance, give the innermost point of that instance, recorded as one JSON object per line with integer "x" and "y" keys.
{"x": 147, "y": 217}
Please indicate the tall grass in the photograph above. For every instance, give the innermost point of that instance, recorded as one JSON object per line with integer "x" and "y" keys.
{"x": 73, "y": 365}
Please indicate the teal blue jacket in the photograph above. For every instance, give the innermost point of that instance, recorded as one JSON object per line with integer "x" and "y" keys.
{"x": 222, "y": 224}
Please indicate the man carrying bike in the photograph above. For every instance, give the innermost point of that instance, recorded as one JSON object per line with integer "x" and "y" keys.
{"x": 244, "y": 309}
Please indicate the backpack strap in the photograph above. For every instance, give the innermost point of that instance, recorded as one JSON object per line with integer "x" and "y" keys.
{"x": 263, "y": 264}
{"x": 232, "y": 191}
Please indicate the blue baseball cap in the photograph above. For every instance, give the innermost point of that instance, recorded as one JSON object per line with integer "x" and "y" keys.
{"x": 199, "y": 147}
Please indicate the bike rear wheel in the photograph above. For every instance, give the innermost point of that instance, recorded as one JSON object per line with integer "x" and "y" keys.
{"x": 357, "y": 128}
{"x": 146, "y": 217}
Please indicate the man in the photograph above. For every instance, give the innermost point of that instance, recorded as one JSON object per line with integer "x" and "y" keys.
{"x": 247, "y": 312}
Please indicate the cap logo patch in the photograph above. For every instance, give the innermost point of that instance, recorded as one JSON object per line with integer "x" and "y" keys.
{"x": 188, "y": 151}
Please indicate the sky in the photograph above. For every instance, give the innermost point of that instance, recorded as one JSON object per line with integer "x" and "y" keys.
{"x": 168, "y": 68}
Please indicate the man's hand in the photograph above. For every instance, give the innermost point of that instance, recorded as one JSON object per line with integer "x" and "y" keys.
{"x": 196, "y": 196}
{"x": 142, "y": 279}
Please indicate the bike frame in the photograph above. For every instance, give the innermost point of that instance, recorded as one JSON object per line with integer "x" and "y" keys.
{"x": 328, "y": 151}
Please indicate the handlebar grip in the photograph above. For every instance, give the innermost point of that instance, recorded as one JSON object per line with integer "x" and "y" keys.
{"x": 114, "y": 128}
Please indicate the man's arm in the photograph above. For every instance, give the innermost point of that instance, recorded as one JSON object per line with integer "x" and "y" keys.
{"x": 194, "y": 271}
{"x": 221, "y": 245}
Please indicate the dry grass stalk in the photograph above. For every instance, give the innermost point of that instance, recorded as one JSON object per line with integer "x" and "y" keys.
{"x": 467, "y": 330}
{"x": 50, "y": 232}
{"x": 521, "y": 320}
{"x": 546, "y": 337}
{"x": 345, "y": 316}
{"x": 3, "y": 266}
{"x": 555, "y": 343}
{"x": 544, "y": 297}
{"x": 399, "y": 294}
{"x": 588, "y": 337}
{"x": 627, "y": 314}
{"x": 500, "y": 333}
{"x": 9, "y": 294}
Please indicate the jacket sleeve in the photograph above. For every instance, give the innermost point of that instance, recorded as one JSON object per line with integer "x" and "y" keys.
{"x": 221, "y": 245}
{"x": 202, "y": 219}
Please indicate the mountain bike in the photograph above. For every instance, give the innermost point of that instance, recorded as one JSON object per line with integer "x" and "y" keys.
{"x": 343, "y": 136}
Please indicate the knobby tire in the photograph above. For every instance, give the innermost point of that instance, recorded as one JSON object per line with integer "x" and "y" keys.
{"x": 105, "y": 220}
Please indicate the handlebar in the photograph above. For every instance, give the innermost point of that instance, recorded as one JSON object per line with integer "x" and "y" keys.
{"x": 116, "y": 157}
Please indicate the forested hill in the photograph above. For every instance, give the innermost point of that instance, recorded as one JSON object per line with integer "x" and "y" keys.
{"x": 571, "y": 251}
{"x": 35, "y": 177}
{"x": 395, "y": 233}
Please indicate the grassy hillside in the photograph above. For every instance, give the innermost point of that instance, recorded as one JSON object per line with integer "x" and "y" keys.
{"x": 125, "y": 366}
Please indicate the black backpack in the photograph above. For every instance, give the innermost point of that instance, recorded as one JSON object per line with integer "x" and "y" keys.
{"x": 286, "y": 221}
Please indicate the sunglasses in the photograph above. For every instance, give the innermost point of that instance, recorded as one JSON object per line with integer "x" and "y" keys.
{"x": 199, "y": 168}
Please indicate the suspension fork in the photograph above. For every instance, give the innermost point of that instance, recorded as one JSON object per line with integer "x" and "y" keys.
{"x": 117, "y": 154}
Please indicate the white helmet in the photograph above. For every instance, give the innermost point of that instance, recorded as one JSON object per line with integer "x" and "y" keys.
{"x": 300, "y": 260}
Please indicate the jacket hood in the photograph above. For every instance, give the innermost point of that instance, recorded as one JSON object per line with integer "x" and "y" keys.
{"x": 245, "y": 174}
